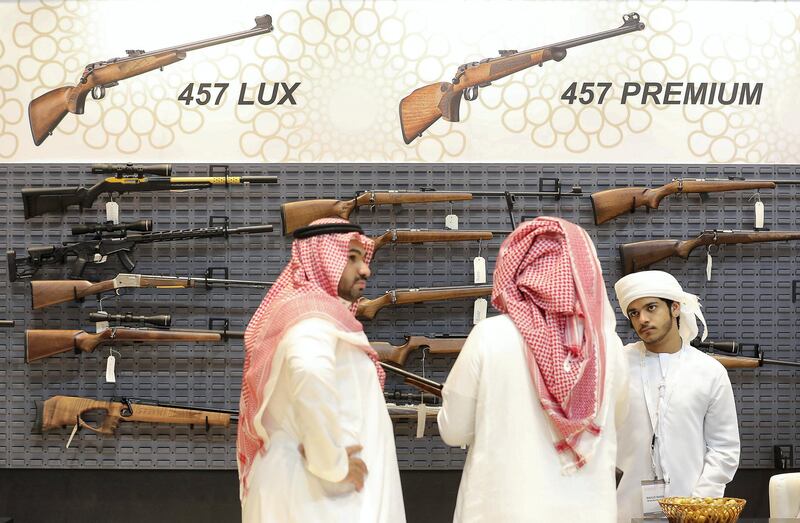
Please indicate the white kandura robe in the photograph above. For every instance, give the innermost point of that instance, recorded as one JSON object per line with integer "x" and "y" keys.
{"x": 325, "y": 395}
{"x": 699, "y": 444}
{"x": 513, "y": 472}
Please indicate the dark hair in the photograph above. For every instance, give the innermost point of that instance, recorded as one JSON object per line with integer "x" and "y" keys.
{"x": 669, "y": 306}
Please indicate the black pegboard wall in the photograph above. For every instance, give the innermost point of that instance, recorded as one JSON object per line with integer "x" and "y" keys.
{"x": 748, "y": 299}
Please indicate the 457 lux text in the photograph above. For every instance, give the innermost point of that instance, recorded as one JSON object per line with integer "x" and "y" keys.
{"x": 279, "y": 93}
{"x": 669, "y": 93}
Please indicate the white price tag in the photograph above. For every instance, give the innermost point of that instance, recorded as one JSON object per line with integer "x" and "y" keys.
{"x": 451, "y": 222}
{"x": 759, "y": 214}
{"x": 74, "y": 430}
{"x": 422, "y": 417}
{"x": 479, "y": 312}
{"x": 110, "y": 364}
{"x": 112, "y": 212}
{"x": 708, "y": 266}
{"x": 479, "y": 269}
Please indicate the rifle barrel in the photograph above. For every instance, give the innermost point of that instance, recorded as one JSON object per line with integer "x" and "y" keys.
{"x": 263, "y": 25}
{"x": 631, "y": 24}
{"x": 781, "y": 362}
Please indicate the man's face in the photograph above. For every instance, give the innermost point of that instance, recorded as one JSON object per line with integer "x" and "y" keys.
{"x": 652, "y": 318}
{"x": 356, "y": 272}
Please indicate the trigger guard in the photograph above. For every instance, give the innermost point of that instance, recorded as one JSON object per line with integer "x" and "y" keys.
{"x": 98, "y": 92}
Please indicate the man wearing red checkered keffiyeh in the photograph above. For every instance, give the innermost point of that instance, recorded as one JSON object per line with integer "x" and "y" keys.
{"x": 315, "y": 441}
{"x": 535, "y": 391}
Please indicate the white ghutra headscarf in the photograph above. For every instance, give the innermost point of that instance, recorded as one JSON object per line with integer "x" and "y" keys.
{"x": 660, "y": 284}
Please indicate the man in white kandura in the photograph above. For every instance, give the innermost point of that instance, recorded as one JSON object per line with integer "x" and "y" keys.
{"x": 535, "y": 392}
{"x": 315, "y": 440}
{"x": 681, "y": 437}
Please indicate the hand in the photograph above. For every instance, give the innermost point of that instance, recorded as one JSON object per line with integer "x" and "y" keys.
{"x": 356, "y": 468}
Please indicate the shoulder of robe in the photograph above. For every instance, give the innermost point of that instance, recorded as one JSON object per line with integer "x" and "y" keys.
{"x": 633, "y": 350}
{"x": 703, "y": 361}
{"x": 318, "y": 326}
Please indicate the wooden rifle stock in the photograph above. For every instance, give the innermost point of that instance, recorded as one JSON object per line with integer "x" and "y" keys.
{"x": 368, "y": 309}
{"x": 43, "y": 343}
{"x": 737, "y": 362}
{"x": 398, "y": 354}
{"x": 611, "y": 203}
{"x": 45, "y": 293}
{"x": 640, "y": 255}
{"x": 65, "y": 411}
{"x": 301, "y": 213}
{"x": 422, "y": 236}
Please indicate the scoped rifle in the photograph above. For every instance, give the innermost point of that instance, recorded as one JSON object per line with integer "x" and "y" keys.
{"x": 122, "y": 244}
{"x": 46, "y": 111}
{"x": 67, "y": 411}
{"x": 393, "y": 236}
{"x": 128, "y": 178}
{"x": 368, "y": 309}
{"x": 299, "y": 214}
{"x": 733, "y": 360}
{"x": 611, "y": 203}
{"x": 45, "y": 293}
{"x": 43, "y": 343}
{"x": 425, "y": 105}
{"x": 415, "y": 380}
{"x": 640, "y": 255}
{"x": 398, "y": 354}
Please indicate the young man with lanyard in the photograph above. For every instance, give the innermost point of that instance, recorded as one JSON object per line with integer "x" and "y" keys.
{"x": 536, "y": 392}
{"x": 681, "y": 437}
{"x": 315, "y": 440}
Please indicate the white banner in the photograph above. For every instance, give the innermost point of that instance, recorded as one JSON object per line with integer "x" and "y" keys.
{"x": 702, "y": 82}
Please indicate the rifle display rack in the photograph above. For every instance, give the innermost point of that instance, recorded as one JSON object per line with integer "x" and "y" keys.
{"x": 748, "y": 299}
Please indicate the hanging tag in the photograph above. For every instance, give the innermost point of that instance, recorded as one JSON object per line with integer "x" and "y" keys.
{"x": 422, "y": 417}
{"x": 479, "y": 269}
{"x": 759, "y": 214}
{"x": 708, "y": 265}
{"x": 479, "y": 311}
{"x": 110, "y": 364}
{"x": 451, "y": 222}
{"x": 74, "y": 431}
{"x": 112, "y": 212}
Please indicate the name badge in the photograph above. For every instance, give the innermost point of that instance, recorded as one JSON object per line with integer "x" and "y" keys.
{"x": 652, "y": 491}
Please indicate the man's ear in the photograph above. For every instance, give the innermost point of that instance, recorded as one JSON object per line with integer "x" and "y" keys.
{"x": 676, "y": 309}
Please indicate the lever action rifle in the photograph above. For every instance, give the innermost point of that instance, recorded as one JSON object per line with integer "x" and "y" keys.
{"x": 66, "y": 411}
{"x": 45, "y": 293}
{"x": 405, "y": 236}
{"x": 128, "y": 178}
{"x": 43, "y": 343}
{"x": 300, "y": 213}
{"x": 640, "y": 255}
{"x": 611, "y": 203}
{"x": 398, "y": 354}
{"x": 734, "y": 361}
{"x": 425, "y": 105}
{"x": 368, "y": 309}
{"x": 95, "y": 251}
{"x": 46, "y": 111}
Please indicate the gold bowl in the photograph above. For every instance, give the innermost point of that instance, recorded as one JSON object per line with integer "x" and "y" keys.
{"x": 702, "y": 510}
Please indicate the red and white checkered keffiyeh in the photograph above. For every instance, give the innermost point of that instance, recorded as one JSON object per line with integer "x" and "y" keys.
{"x": 306, "y": 288}
{"x": 547, "y": 279}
